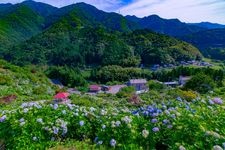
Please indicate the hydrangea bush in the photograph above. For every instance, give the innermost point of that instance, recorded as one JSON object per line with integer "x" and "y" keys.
{"x": 172, "y": 124}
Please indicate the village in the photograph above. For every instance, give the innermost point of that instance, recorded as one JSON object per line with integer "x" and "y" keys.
{"x": 196, "y": 63}
{"x": 140, "y": 86}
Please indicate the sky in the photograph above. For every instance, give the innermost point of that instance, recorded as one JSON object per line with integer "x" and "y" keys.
{"x": 185, "y": 10}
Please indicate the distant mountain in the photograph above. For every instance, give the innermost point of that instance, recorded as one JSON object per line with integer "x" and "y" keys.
{"x": 80, "y": 35}
{"x": 5, "y": 9}
{"x": 40, "y": 8}
{"x": 94, "y": 17}
{"x": 173, "y": 27}
{"x": 210, "y": 42}
{"x": 208, "y": 25}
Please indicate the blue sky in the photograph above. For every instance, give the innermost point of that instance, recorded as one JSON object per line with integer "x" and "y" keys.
{"x": 185, "y": 10}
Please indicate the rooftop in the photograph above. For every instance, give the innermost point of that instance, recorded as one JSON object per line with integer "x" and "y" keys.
{"x": 136, "y": 81}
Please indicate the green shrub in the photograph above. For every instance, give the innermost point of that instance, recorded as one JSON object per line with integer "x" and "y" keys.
{"x": 126, "y": 92}
{"x": 154, "y": 85}
{"x": 201, "y": 83}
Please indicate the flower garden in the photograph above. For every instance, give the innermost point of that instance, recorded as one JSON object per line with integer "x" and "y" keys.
{"x": 174, "y": 124}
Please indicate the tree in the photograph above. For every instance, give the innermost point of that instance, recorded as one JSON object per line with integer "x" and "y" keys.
{"x": 201, "y": 83}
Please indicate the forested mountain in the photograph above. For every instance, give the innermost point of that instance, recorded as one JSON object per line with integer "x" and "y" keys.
{"x": 80, "y": 34}
{"x": 208, "y": 25}
{"x": 19, "y": 25}
{"x": 95, "y": 18}
{"x": 210, "y": 42}
{"x": 173, "y": 27}
{"x": 65, "y": 43}
{"x": 42, "y": 9}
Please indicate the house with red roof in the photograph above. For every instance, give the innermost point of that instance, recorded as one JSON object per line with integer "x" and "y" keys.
{"x": 61, "y": 97}
{"x": 94, "y": 88}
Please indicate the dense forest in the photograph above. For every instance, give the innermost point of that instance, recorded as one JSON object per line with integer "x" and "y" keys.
{"x": 211, "y": 42}
{"x": 82, "y": 35}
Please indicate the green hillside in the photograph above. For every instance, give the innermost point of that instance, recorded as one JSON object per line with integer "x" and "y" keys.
{"x": 93, "y": 17}
{"x": 210, "y": 42}
{"x": 19, "y": 25}
{"x": 68, "y": 43}
{"x": 25, "y": 83}
{"x": 82, "y": 35}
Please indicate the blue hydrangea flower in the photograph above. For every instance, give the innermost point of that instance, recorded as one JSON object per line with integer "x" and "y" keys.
{"x": 22, "y": 120}
{"x": 103, "y": 126}
{"x": 113, "y": 142}
{"x": 25, "y": 110}
{"x": 40, "y": 120}
{"x": 81, "y": 123}
{"x": 165, "y": 121}
{"x": 55, "y": 130}
{"x": 100, "y": 143}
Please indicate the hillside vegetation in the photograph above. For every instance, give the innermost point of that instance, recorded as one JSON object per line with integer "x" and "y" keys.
{"x": 68, "y": 43}
{"x": 26, "y": 84}
{"x": 82, "y": 35}
{"x": 210, "y": 42}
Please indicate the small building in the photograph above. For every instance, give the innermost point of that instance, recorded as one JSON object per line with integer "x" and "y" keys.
{"x": 184, "y": 79}
{"x": 115, "y": 89}
{"x": 105, "y": 88}
{"x": 140, "y": 85}
{"x": 94, "y": 88}
{"x": 61, "y": 97}
{"x": 171, "y": 84}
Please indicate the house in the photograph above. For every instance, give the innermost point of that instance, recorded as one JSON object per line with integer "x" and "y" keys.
{"x": 171, "y": 84}
{"x": 105, "y": 88}
{"x": 184, "y": 79}
{"x": 115, "y": 89}
{"x": 61, "y": 97}
{"x": 94, "y": 88}
{"x": 140, "y": 85}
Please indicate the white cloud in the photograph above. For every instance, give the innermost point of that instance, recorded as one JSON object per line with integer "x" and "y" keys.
{"x": 186, "y": 10}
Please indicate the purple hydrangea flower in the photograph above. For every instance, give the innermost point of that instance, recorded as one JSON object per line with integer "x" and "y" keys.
{"x": 154, "y": 120}
{"x": 169, "y": 126}
{"x": 3, "y": 118}
{"x": 55, "y": 106}
{"x": 218, "y": 101}
{"x": 155, "y": 129}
